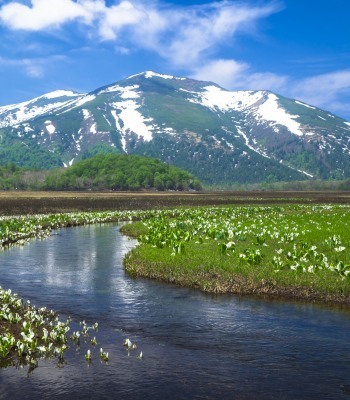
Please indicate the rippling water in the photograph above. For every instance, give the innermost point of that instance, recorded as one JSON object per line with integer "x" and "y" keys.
{"x": 195, "y": 346}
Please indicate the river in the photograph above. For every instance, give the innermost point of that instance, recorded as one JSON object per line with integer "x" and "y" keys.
{"x": 194, "y": 345}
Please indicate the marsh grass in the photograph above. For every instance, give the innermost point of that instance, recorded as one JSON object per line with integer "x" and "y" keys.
{"x": 311, "y": 242}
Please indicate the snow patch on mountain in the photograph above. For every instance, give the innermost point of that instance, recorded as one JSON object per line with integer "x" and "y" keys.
{"x": 151, "y": 74}
{"x": 246, "y": 139}
{"x": 264, "y": 105}
{"x": 271, "y": 111}
{"x": 70, "y": 163}
{"x": 305, "y": 105}
{"x": 84, "y": 100}
{"x": 214, "y": 98}
{"x": 86, "y": 113}
{"x": 93, "y": 128}
{"x": 303, "y": 172}
{"x": 133, "y": 120}
{"x": 60, "y": 93}
{"x": 49, "y": 127}
{"x": 78, "y": 103}
{"x": 18, "y": 113}
{"x": 126, "y": 92}
{"x": 170, "y": 131}
{"x": 119, "y": 128}
{"x": 107, "y": 120}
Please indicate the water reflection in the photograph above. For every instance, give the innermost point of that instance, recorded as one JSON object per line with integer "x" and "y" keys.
{"x": 195, "y": 345}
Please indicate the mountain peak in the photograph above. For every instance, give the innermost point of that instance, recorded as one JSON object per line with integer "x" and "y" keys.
{"x": 152, "y": 74}
{"x": 59, "y": 93}
{"x": 217, "y": 134}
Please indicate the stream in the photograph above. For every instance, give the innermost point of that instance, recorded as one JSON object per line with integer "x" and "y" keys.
{"x": 194, "y": 345}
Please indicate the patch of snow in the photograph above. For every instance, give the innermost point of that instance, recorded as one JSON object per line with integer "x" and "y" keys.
{"x": 85, "y": 99}
{"x": 60, "y": 93}
{"x": 107, "y": 120}
{"x": 78, "y": 103}
{"x": 86, "y": 113}
{"x": 216, "y": 98}
{"x": 305, "y": 105}
{"x": 50, "y": 127}
{"x": 27, "y": 128}
{"x": 127, "y": 92}
{"x": 116, "y": 117}
{"x": 122, "y": 134}
{"x": 169, "y": 130}
{"x": 305, "y": 173}
{"x": 299, "y": 170}
{"x": 187, "y": 91}
{"x": 228, "y": 144}
{"x": 324, "y": 119}
{"x": 225, "y": 129}
{"x": 271, "y": 111}
{"x": 150, "y": 74}
{"x": 217, "y": 142}
{"x": 93, "y": 128}
{"x": 133, "y": 120}
{"x": 245, "y": 137}
{"x": 347, "y": 123}
{"x": 17, "y": 113}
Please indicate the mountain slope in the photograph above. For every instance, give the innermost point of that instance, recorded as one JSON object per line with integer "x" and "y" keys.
{"x": 218, "y": 135}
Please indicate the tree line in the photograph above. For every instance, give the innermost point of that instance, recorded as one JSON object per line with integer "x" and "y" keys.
{"x": 121, "y": 172}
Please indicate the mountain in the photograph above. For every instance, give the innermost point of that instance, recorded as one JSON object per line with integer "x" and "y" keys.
{"x": 220, "y": 136}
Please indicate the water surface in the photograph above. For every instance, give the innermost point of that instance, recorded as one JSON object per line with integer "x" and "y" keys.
{"x": 195, "y": 346}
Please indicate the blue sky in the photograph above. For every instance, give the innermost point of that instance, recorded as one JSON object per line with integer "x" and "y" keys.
{"x": 297, "y": 48}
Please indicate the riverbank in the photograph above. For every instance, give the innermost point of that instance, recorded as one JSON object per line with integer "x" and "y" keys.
{"x": 291, "y": 252}
{"x": 28, "y": 333}
{"x": 294, "y": 252}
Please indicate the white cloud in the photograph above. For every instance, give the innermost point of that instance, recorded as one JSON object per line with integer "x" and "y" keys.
{"x": 266, "y": 81}
{"x": 116, "y": 18}
{"x": 327, "y": 91}
{"x": 324, "y": 90}
{"x": 187, "y": 38}
{"x": 42, "y": 14}
{"x": 122, "y": 50}
{"x": 181, "y": 35}
{"x": 33, "y": 67}
{"x": 184, "y": 35}
{"x": 235, "y": 75}
{"x": 226, "y": 73}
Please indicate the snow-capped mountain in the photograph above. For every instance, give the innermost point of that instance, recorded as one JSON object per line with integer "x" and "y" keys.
{"x": 220, "y": 136}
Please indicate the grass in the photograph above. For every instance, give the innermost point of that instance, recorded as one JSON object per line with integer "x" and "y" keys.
{"x": 286, "y": 251}
{"x": 298, "y": 252}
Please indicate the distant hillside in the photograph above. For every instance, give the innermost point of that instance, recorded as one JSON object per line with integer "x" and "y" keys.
{"x": 222, "y": 137}
{"x": 121, "y": 172}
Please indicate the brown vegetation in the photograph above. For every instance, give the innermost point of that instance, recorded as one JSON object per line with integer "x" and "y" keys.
{"x": 17, "y": 202}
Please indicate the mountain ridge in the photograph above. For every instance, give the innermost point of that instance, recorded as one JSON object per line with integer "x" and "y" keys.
{"x": 216, "y": 134}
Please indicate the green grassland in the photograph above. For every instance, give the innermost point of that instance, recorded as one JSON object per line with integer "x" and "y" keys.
{"x": 298, "y": 252}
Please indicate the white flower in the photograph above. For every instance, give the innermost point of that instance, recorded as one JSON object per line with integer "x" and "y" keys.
{"x": 339, "y": 249}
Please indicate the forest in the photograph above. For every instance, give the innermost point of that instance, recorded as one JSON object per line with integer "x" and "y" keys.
{"x": 103, "y": 172}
